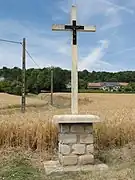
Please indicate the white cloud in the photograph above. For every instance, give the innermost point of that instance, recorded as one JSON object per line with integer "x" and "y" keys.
{"x": 113, "y": 19}
{"x": 124, "y": 51}
{"x": 49, "y": 48}
{"x": 113, "y": 14}
{"x": 46, "y": 48}
{"x": 94, "y": 60}
{"x": 130, "y": 3}
{"x": 10, "y": 55}
{"x": 118, "y": 7}
{"x": 65, "y": 50}
{"x": 109, "y": 11}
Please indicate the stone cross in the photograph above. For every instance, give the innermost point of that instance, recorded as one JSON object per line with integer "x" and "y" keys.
{"x": 73, "y": 27}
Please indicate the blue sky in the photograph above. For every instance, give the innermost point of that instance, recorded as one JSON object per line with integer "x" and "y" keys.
{"x": 111, "y": 48}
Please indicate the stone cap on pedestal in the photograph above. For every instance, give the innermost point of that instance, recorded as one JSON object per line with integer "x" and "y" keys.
{"x": 69, "y": 119}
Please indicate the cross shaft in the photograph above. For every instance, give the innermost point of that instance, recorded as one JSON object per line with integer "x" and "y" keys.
{"x": 74, "y": 73}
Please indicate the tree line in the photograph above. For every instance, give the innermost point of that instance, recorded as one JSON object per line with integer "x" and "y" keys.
{"x": 40, "y": 79}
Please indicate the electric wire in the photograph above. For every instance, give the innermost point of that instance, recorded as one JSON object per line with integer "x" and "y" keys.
{"x": 16, "y": 42}
{"x": 9, "y": 41}
{"x": 32, "y": 58}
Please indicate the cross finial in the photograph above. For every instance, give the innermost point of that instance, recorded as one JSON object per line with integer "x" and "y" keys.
{"x": 74, "y": 3}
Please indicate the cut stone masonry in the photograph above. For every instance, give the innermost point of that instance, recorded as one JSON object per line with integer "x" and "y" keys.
{"x": 76, "y": 139}
{"x": 76, "y": 144}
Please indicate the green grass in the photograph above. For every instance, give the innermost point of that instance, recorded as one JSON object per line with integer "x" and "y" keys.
{"x": 16, "y": 165}
{"x": 19, "y": 168}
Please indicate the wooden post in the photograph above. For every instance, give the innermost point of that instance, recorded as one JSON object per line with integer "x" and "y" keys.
{"x": 51, "y": 86}
{"x": 23, "y": 76}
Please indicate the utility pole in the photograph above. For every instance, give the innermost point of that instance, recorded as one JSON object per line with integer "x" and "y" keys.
{"x": 23, "y": 76}
{"x": 51, "y": 86}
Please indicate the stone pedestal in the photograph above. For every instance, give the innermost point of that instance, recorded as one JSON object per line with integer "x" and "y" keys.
{"x": 76, "y": 139}
{"x": 76, "y": 149}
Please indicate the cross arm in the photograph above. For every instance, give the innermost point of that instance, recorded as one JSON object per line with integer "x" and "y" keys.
{"x": 88, "y": 29}
{"x": 59, "y": 27}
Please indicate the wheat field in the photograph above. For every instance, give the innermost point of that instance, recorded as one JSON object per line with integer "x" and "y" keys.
{"x": 35, "y": 130}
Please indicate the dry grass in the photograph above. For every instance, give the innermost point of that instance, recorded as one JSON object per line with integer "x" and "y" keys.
{"x": 11, "y": 101}
{"x": 28, "y": 131}
{"x": 35, "y": 130}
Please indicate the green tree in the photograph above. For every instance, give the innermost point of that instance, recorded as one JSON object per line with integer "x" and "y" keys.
{"x": 82, "y": 84}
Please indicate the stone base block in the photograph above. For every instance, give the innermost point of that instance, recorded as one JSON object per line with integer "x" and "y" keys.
{"x": 78, "y": 149}
{"x": 86, "y": 159}
{"x": 55, "y": 167}
{"x": 68, "y": 160}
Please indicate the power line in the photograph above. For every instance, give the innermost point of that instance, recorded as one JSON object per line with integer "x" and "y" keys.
{"x": 9, "y": 41}
{"x": 16, "y": 42}
{"x": 32, "y": 58}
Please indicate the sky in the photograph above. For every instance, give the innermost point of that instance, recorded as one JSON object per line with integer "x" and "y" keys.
{"x": 111, "y": 48}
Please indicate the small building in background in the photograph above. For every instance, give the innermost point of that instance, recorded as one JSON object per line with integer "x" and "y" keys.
{"x": 111, "y": 86}
{"x": 123, "y": 84}
{"x": 95, "y": 86}
{"x": 68, "y": 85}
{"x": 107, "y": 86}
{"x": 2, "y": 79}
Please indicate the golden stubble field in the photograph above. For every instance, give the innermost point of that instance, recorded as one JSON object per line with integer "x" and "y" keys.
{"x": 35, "y": 130}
